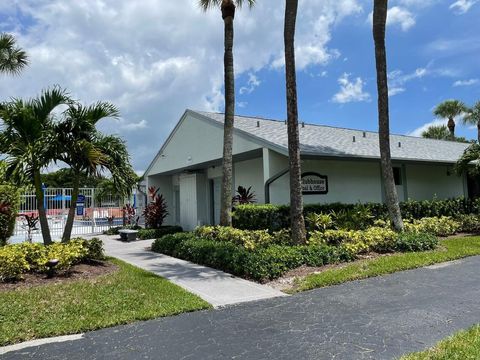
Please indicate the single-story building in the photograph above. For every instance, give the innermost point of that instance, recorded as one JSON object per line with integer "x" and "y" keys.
{"x": 339, "y": 165}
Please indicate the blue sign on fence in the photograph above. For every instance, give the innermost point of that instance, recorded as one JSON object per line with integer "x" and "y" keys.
{"x": 80, "y": 209}
{"x": 81, "y": 199}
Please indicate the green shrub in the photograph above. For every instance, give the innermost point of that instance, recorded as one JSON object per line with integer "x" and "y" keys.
{"x": 276, "y": 217}
{"x": 12, "y": 263}
{"x": 35, "y": 254}
{"x": 249, "y": 239}
{"x": 9, "y": 203}
{"x": 319, "y": 222}
{"x": 93, "y": 247}
{"x": 438, "y": 226}
{"x": 469, "y": 223}
{"x": 167, "y": 244}
{"x": 146, "y": 234}
{"x": 68, "y": 254}
{"x": 380, "y": 239}
{"x": 415, "y": 241}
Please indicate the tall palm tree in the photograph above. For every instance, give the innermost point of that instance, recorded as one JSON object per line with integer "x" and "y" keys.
{"x": 379, "y": 24}
{"x": 450, "y": 109}
{"x": 296, "y": 200}
{"x": 12, "y": 58}
{"x": 473, "y": 117}
{"x": 228, "y": 8}
{"x": 28, "y": 140}
{"x": 88, "y": 152}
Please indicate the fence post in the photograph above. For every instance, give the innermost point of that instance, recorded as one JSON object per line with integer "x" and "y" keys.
{"x": 92, "y": 193}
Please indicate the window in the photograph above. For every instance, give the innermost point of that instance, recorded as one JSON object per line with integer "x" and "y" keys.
{"x": 397, "y": 175}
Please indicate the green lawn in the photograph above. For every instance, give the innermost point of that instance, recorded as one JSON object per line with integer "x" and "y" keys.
{"x": 122, "y": 297}
{"x": 450, "y": 249}
{"x": 463, "y": 346}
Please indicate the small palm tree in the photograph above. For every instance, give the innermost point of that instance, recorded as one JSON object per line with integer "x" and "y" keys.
{"x": 440, "y": 132}
{"x": 450, "y": 109}
{"x": 297, "y": 220}
{"x": 88, "y": 152}
{"x": 12, "y": 58}
{"x": 228, "y": 8}
{"x": 473, "y": 117}
{"x": 391, "y": 196}
{"x": 28, "y": 141}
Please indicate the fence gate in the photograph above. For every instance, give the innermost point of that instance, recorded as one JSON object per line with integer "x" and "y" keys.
{"x": 92, "y": 214}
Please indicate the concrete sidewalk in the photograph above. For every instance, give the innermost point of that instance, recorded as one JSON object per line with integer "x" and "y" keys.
{"x": 214, "y": 286}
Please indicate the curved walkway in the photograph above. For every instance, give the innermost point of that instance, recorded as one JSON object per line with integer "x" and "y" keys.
{"x": 378, "y": 318}
{"x": 214, "y": 286}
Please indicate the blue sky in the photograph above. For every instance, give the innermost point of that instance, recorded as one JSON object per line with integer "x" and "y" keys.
{"x": 155, "y": 58}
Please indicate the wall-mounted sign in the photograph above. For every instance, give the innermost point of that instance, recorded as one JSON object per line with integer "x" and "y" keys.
{"x": 313, "y": 183}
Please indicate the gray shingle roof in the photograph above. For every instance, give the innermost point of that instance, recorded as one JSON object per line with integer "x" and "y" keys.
{"x": 323, "y": 140}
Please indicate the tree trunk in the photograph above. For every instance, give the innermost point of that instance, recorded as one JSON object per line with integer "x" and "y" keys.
{"x": 228, "y": 14}
{"x": 296, "y": 199}
{"x": 42, "y": 214}
{"x": 478, "y": 131}
{"x": 67, "y": 232}
{"x": 379, "y": 22}
{"x": 451, "y": 127}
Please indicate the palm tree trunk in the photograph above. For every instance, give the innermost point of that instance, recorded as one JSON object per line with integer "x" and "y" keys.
{"x": 67, "y": 232}
{"x": 42, "y": 214}
{"x": 228, "y": 15}
{"x": 451, "y": 127}
{"x": 296, "y": 199}
{"x": 379, "y": 22}
{"x": 478, "y": 131}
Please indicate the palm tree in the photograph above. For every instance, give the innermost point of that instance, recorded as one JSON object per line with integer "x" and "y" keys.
{"x": 12, "y": 58}
{"x": 379, "y": 24}
{"x": 228, "y": 8}
{"x": 450, "y": 109}
{"x": 28, "y": 140}
{"x": 440, "y": 132}
{"x": 296, "y": 200}
{"x": 88, "y": 152}
{"x": 473, "y": 117}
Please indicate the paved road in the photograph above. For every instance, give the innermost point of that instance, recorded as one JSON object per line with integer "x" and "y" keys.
{"x": 379, "y": 318}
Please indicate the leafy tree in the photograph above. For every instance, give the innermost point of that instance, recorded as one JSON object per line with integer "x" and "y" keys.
{"x": 12, "y": 58}
{"x": 64, "y": 178}
{"x": 450, "y": 109}
{"x": 473, "y": 117}
{"x": 441, "y": 132}
{"x": 296, "y": 199}
{"x": 28, "y": 141}
{"x": 88, "y": 152}
{"x": 391, "y": 196}
{"x": 469, "y": 161}
{"x": 228, "y": 8}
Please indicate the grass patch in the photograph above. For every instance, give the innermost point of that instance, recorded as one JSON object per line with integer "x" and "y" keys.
{"x": 128, "y": 295}
{"x": 450, "y": 249}
{"x": 464, "y": 345}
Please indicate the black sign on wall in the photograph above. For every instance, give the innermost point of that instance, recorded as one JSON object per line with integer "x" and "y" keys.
{"x": 314, "y": 184}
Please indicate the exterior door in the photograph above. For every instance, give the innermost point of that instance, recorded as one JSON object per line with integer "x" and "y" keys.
{"x": 188, "y": 202}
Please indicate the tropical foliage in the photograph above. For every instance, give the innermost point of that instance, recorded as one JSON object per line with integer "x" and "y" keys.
{"x": 156, "y": 211}
{"x": 441, "y": 132}
{"x": 12, "y": 58}
{"x": 450, "y": 109}
{"x": 244, "y": 196}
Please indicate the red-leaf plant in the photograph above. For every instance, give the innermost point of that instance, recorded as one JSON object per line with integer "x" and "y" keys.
{"x": 244, "y": 196}
{"x": 156, "y": 211}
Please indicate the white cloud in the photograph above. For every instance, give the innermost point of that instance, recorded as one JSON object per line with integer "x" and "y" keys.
{"x": 397, "y": 80}
{"x": 154, "y": 59}
{"x": 397, "y": 15}
{"x": 462, "y": 6}
{"x": 468, "y": 82}
{"x": 392, "y": 91}
{"x": 350, "y": 91}
{"x": 252, "y": 83}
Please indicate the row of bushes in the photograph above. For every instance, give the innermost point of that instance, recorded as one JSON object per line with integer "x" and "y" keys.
{"x": 9, "y": 203}
{"x": 277, "y": 217}
{"x": 33, "y": 257}
{"x": 146, "y": 234}
{"x": 271, "y": 261}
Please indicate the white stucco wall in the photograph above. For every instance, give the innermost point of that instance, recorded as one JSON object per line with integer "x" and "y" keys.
{"x": 425, "y": 182}
{"x": 250, "y": 173}
{"x": 196, "y": 141}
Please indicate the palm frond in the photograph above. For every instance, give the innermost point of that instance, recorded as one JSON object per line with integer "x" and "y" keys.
{"x": 450, "y": 109}
{"x": 12, "y": 58}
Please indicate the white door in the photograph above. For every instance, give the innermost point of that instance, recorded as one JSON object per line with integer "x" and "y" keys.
{"x": 188, "y": 202}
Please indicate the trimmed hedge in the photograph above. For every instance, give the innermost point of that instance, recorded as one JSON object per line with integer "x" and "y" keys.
{"x": 10, "y": 197}
{"x": 21, "y": 258}
{"x": 146, "y": 234}
{"x": 259, "y": 264}
{"x": 276, "y": 217}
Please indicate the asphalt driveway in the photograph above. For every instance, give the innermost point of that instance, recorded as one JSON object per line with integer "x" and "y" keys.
{"x": 379, "y": 318}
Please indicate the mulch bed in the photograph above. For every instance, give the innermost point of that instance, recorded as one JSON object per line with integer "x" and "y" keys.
{"x": 77, "y": 272}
